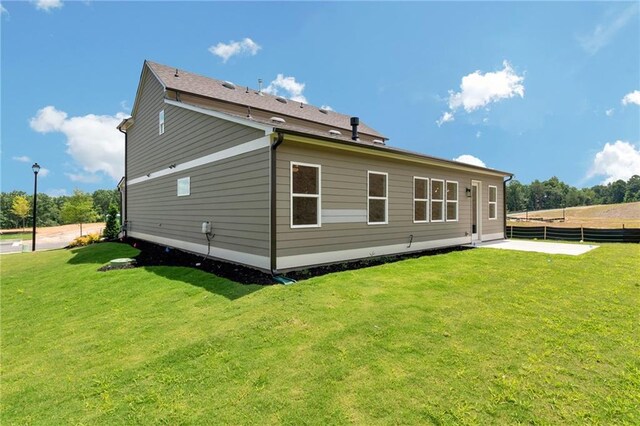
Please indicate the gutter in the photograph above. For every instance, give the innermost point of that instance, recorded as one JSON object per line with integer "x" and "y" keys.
{"x": 126, "y": 189}
{"x": 504, "y": 203}
{"x": 272, "y": 213}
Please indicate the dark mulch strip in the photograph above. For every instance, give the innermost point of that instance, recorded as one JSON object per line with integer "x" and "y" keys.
{"x": 154, "y": 255}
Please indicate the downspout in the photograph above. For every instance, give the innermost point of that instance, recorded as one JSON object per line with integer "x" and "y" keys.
{"x": 126, "y": 189}
{"x": 504, "y": 204}
{"x": 273, "y": 224}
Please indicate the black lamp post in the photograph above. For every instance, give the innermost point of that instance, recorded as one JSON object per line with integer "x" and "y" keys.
{"x": 36, "y": 169}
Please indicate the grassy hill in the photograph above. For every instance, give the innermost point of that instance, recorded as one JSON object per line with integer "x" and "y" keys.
{"x": 479, "y": 336}
{"x": 599, "y": 216}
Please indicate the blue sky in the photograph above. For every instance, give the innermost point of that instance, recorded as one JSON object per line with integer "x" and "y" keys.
{"x": 538, "y": 89}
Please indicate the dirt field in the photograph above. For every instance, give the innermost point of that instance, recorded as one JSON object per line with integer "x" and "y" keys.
{"x": 600, "y": 216}
{"x": 66, "y": 232}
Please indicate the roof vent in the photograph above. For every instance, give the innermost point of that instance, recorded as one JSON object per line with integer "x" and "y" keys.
{"x": 333, "y": 132}
{"x": 378, "y": 141}
{"x": 281, "y": 99}
{"x": 176, "y": 74}
{"x": 229, "y": 85}
{"x": 277, "y": 120}
{"x": 324, "y": 111}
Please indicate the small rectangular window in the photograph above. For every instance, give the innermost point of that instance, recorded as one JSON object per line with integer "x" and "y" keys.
{"x": 420, "y": 199}
{"x": 437, "y": 200}
{"x": 305, "y": 195}
{"x": 184, "y": 186}
{"x": 493, "y": 202}
{"x": 161, "y": 122}
{"x": 452, "y": 201}
{"x": 377, "y": 200}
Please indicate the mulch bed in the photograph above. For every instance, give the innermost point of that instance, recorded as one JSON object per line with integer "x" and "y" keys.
{"x": 155, "y": 255}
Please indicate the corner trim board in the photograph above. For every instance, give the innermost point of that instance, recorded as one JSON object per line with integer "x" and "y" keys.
{"x": 253, "y": 145}
{"x": 289, "y": 262}
{"x": 249, "y": 259}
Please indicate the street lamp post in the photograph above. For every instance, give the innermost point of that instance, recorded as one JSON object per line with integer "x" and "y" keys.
{"x": 36, "y": 169}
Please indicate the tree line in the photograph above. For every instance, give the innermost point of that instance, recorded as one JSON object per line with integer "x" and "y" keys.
{"x": 16, "y": 208}
{"x": 554, "y": 194}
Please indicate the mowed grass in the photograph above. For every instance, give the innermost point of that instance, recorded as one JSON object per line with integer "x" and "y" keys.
{"x": 16, "y": 236}
{"x": 474, "y": 337}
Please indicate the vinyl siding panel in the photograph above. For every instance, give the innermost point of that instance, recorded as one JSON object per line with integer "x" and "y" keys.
{"x": 344, "y": 187}
{"x": 237, "y": 207}
{"x": 231, "y": 193}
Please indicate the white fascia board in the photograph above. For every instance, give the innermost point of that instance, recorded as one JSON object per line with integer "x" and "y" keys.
{"x": 257, "y": 261}
{"x": 234, "y": 151}
{"x": 221, "y": 115}
{"x": 297, "y": 261}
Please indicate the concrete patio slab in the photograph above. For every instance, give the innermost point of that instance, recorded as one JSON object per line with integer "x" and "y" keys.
{"x": 539, "y": 247}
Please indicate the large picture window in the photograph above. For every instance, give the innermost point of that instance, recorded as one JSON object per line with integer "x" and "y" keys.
{"x": 437, "y": 200}
{"x": 493, "y": 202}
{"x": 305, "y": 195}
{"x": 377, "y": 200}
{"x": 420, "y": 199}
{"x": 452, "y": 201}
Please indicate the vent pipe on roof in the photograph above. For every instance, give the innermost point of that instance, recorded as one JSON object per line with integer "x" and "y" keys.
{"x": 354, "y": 128}
{"x": 176, "y": 74}
{"x": 259, "y": 86}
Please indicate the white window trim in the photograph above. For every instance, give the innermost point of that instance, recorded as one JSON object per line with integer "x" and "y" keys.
{"x": 161, "y": 122}
{"x": 185, "y": 179}
{"x": 451, "y": 201}
{"x": 493, "y": 202}
{"x": 317, "y": 196}
{"x": 428, "y": 206}
{"x": 386, "y": 198}
{"x": 442, "y": 200}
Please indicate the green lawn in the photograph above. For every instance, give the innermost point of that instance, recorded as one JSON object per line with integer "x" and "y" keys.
{"x": 16, "y": 236}
{"x": 474, "y": 337}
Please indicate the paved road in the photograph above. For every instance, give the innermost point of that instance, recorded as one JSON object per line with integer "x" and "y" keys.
{"x": 16, "y": 246}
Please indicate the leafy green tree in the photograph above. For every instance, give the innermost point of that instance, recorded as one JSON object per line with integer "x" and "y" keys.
{"x": 633, "y": 189}
{"x": 20, "y": 207}
{"x": 517, "y": 195}
{"x": 111, "y": 227}
{"x": 78, "y": 209}
{"x": 103, "y": 199}
{"x": 617, "y": 191}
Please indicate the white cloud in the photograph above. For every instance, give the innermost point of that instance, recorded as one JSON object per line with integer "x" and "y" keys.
{"x": 22, "y": 159}
{"x": 618, "y": 160}
{"x": 125, "y": 106}
{"x": 610, "y": 112}
{"x": 326, "y": 108}
{"x": 56, "y": 192}
{"x": 83, "y": 178}
{"x": 446, "y": 117}
{"x": 606, "y": 31}
{"x": 43, "y": 172}
{"x": 3, "y": 10}
{"x": 48, "y": 5}
{"x": 631, "y": 98}
{"x": 470, "y": 159}
{"x": 225, "y": 51}
{"x": 292, "y": 88}
{"x": 478, "y": 90}
{"x": 92, "y": 140}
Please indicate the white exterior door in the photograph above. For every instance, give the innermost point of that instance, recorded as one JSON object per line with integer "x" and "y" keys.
{"x": 476, "y": 215}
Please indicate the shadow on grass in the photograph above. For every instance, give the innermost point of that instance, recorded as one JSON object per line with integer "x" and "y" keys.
{"x": 102, "y": 253}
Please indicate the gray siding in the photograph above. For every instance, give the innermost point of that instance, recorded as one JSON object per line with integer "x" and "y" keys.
{"x": 344, "y": 186}
{"x": 232, "y": 193}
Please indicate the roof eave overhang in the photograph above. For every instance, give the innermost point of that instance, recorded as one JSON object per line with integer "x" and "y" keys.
{"x": 387, "y": 152}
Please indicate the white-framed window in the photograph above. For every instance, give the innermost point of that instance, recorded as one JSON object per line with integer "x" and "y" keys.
{"x": 305, "y": 195}
{"x": 493, "y": 202}
{"x": 377, "y": 198}
{"x": 161, "y": 122}
{"x": 437, "y": 200}
{"x": 452, "y": 201}
{"x": 420, "y": 199}
{"x": 184, "y": 186}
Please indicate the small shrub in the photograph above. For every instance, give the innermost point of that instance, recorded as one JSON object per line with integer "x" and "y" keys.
{"x": 85, "y": 240}
{"x": 111, "y": 228}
